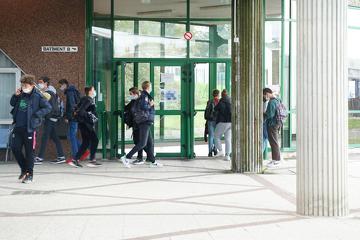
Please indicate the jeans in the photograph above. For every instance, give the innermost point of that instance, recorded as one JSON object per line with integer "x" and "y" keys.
{"x": 72, "y": 135}
{"x": 265, "y": 137}
{"x": 22, "y": 138}
{"x": 211, "y": 131}
{"x": 273, "y": 134}
{"x": 223, "y": 128}
{"x": 145, "y": 142}
{"x": 89, "y": 139}
{"x": 49, "y": 131}
{"x": 136, "y": 138}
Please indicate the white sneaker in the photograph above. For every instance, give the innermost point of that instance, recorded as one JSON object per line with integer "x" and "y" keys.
{"x": 227, "y": 158}
{"x": 219, "y": 154}
{"x": 156, "y": 164}
{"x": 125, "y": 161}
{"x": 274, "y": 164}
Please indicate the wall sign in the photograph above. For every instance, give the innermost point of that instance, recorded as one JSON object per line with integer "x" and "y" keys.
{"x": 188, "y": 36}
{"x": 60, "y": 49}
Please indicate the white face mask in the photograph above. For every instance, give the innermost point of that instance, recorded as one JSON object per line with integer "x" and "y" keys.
{"x": 63, "y": 87}
{"x": 27, "y": 90}
{"x": 41, "y": 86}
{"x": 94, "y": 94}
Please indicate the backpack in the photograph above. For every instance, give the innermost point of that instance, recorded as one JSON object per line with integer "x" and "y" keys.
{"x": 138, "y": 114}
{"x": 54, "y": 101}
{"x": 281, "y": 112}
{"x": 210, "y": 113}
{"x": 128, "y": 117}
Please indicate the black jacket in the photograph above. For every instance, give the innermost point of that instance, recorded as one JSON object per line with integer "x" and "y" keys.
{"x": 38, "y": 108}
{"x": 223, "y": 110}
{"x": 55, "y": 111}
{"x": 86, "y": 106}
{"x": 72, "y": 99}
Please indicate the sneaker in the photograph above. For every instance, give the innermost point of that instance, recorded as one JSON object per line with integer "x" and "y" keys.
{"x": 210, "y": 154}
{"x": 28, "y": 178}
{"x": 38, "y": 161}
{"x": 59, "y": 160}
{"x": 74, "y": 163}
{"x": 85, "y": 155}
{"x": 93, "y": 164}
{"x": 227, "y": 158}
{"x": 215, "y": 151}
{"x": 274, "y": 164}
{"x": 138, "y": 161}
{"x": 22, "y": 176}
{"x": 125, "y": 161}
{"x": 156, "y": 164}
{"x": 219, "y": 154}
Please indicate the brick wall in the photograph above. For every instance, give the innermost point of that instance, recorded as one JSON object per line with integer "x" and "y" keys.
{"x": 26, "y": 25}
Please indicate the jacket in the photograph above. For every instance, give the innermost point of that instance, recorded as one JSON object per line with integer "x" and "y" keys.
{"x": 37, "y": 110}
{"x": 72, "y": 99}
{"x": 223, "y": 110}
{"x": 55, "y": 111}
{"x": 145, "y": 99}
{"x": 270, "y": 114}
{"x": 86, "y": 106}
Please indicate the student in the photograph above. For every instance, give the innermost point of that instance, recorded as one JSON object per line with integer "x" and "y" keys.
{"x": 85, "y": 113}
{"x": 273, "y": 127}
{"x": 210, "y": 117}
{"x": 265, "y": 135}
{"x": 128, "y": 119}
{"x": 29, "y": 108}
{"x": 72, "y": 99}
{"x": 223, "y": 125}
{"x": 143, "y": 114}
{"x": 50, "y": 124}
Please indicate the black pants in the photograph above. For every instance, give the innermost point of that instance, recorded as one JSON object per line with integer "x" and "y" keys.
{"x": 49, "y": 131}
{"x": 273, "y": 135}
{"x": 145, "y": 142}
{"x": 21, "y": 138}
{"x": 136, "y": 138}
{"x": 89, "y": 139}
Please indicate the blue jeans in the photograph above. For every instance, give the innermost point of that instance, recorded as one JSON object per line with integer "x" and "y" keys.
{"x": 265, "y": 137}
{"x": 72, "y": 135}
{"x": 211, "y": 132}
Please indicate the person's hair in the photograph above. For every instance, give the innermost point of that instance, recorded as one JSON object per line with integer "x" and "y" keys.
{"x": 145, "y": 85}
{"x": 267, "y": 90}
{"x": 64, "y": 81}
{"x": 215, "y": 93}
{"x": 28, "y": 79}
{"x": 134, "y": 90}
{"x": 88, "y": 89}
{"x": 45, "y": 79}
{"x": 224, "y": 93}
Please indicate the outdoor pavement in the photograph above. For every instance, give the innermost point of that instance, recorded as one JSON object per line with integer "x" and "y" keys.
{"x": 191, "y": 200}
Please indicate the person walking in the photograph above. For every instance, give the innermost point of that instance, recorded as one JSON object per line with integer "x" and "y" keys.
{"x": 210, "y": 117}
{"x": 72, "y": 99}
{"x": 223, "y": 125}
{"x": 129, "y": 121}
{"x": 143, "y": 114}
{"x": 85, "y": 113}
{"x": 29, "y": 108}
{"x": 50, "y": 124}
{"x": 273, "y": 126}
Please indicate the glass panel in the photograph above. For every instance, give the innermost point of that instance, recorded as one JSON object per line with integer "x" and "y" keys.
{"x": 175, "y": 30}
{"x": 293, "y": 66}
{"x": 143, "y": 73}
{"x": 7, "y": 89}
{"x": 150, "y": 8}
{"x": 220, "y": 76}
{"x": 273, "y": 8}
{"x": 354, "y": 128}
{"x": 273, "y": 55}
{"x": 148, "y": 42}
{"x": 293, "y": 130}
{"x": 201, "y": 74}
{"x": 286, "y": 68}
{"x": 354, "y": 71}
{"x": 102, "y": 7}
{"x": 210, "y": 9}
{"x": 167, "y": 87}
{"x": 199, "y": 125}
{"x": 167, "y": 134}
{"x": 354, "y": 17}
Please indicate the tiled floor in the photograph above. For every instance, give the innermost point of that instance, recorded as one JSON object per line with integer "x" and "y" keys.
{"x": 189, "y": 200}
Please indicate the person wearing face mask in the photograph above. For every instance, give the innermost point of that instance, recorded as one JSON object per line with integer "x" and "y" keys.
{"x": 50, "y": 124}
{"x": 29, "y": 108}
{"x": 85, "y": 113}
{"x": 143, "y": 114}
{"x": 72, "y": 99}
{"x": 129, "y": 121}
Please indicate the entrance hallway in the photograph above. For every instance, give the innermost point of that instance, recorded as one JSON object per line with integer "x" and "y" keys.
{"x": 191, "y": 200}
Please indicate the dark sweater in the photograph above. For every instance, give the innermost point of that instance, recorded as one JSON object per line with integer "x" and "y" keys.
{"x": 223, "y": 110}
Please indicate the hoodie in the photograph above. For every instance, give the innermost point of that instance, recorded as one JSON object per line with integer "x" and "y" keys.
{"x": 223, "y": 110}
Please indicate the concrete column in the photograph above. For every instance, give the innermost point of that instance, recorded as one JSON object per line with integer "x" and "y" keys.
{"x": 247, "y": 85}
{"x": 322, "y": 110}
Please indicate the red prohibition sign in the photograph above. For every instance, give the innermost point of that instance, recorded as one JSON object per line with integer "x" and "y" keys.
{"x": 188, "y": 35}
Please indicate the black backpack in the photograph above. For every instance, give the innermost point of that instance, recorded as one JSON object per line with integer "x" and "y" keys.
{"x": 128, "y": 117}
{"x": 210, "y": 113}
{"x": 54, "y": 101}
{"x": 138, "y": 114}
